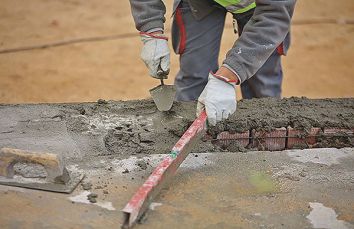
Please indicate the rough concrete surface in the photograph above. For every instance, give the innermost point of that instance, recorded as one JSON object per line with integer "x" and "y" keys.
{"x": 120, "y": 129}
{"x": 225, "y": 190}
{"x": 117, "y": 144}
{"x": 299, "y": 113}
{"x": 91, "y": 130}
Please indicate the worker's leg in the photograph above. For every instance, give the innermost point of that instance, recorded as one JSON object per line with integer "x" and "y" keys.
{"x": 198, "y": 43}
{"x": 268, "y": 80}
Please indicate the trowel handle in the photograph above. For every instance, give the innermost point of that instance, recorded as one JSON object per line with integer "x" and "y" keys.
{"x": 162, "y": 74}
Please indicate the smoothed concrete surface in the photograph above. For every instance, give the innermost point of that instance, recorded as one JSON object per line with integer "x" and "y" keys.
{"x": 210, "y": 190}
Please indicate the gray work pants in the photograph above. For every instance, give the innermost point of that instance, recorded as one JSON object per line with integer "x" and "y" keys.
{"x": 198, "y": 44}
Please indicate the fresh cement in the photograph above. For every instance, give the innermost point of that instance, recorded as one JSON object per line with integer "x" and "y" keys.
{"x": 119, "y": 129}
{"x": 299, "y": 113}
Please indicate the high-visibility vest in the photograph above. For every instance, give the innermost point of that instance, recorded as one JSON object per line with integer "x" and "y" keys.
{"x": 237, "y": 6}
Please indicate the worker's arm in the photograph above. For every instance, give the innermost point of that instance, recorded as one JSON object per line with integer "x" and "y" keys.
{"x": 265, "y": 31}
{"x": 149, "y": 20}
{"x": 148, "y": 14}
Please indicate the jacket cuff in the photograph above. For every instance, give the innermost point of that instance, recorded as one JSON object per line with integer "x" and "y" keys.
{"x": 236, "y": 68}
{"x": 152, "y": 25}
{"x": 233, "y": 71}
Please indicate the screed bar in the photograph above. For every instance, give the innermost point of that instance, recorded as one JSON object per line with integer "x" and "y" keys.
{"x": 141, "y": 200}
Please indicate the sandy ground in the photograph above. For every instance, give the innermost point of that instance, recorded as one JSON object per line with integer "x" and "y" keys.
{"x": 270, "y": 190}
{"x": 319, "y": 64}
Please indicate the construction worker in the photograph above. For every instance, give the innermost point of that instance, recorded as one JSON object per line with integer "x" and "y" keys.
{"x": 253, "y": 61}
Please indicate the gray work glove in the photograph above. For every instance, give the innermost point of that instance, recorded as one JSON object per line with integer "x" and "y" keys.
{"x": 218, "y": 99}
{"x": 156, "y": 54}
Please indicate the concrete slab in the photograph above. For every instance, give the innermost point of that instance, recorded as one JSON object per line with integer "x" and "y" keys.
{"x": 123, "y": 128}
{"x": 210, "y": 190}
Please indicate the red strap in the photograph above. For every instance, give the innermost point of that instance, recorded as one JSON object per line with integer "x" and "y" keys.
{"x": 223, "y": 78}
{"x": 280, "y": 49}
{"x": 154, "y": 35}
{"x": 182, "y": 31}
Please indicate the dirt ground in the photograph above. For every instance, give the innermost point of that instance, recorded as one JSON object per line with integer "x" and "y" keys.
{"x": 319, "y": 63}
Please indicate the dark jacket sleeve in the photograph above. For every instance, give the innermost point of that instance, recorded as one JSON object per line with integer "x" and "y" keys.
{"x": 264, "y": 32}
{"x": 148, "y": 14}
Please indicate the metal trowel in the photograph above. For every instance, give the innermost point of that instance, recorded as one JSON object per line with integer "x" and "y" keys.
{"x": 163, "y": 95}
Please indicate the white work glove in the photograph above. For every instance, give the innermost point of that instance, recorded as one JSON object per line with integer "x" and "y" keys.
{"x": 218, "y": 99}
{"x": 156, "y": 54}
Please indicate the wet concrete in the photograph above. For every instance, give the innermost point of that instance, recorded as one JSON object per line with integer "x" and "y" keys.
{"x": 121, "y": 129}
{"x": 117, "y": 144}
{"x": 109, "y": 129}
{"x": 299, "y": 113}
{"x": 212, "y": 190}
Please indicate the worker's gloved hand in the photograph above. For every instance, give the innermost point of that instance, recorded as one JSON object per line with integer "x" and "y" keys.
{"x": 156, "y": 54}
{"x": 218, "y": 99}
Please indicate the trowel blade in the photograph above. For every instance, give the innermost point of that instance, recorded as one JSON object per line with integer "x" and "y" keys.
{"x": 163, "y": 96}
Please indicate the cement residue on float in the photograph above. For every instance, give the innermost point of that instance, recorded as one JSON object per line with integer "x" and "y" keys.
{"x": 120, "y": 129}
{"x": 30, "y": 170}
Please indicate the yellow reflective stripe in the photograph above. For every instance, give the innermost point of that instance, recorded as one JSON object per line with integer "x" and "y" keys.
{"x": 225, "y": 3}
{"x": 229, "y": 4}
{"x": 251, "y": 6}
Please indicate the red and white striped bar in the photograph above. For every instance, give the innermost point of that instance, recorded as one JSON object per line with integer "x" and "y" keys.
{"x": 141, "y": 200}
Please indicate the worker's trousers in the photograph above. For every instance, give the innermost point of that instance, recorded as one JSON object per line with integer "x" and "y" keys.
{"x": 198, "y": 44}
